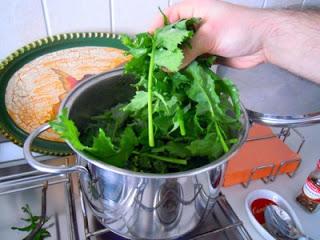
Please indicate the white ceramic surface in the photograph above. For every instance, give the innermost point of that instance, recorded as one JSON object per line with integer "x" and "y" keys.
{"x": 77, "y": 16}
{"x": 134, "y": 16}
{"x": 276, "y": 198}
{"x": 21, "y": 22}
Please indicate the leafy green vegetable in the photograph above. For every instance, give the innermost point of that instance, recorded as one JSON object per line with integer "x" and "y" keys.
{"x": 177, "y": 119}
{"x": 67, "y": 129}
{"x": 139, "y": 101}
{"x": 33, "y": 221}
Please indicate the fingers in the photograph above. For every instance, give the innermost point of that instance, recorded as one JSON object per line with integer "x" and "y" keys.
{"x": 242, "y": 62}
{"x": 200, "y": 43}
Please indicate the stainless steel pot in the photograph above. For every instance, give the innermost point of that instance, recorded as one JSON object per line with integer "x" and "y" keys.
{"x": 142, "y": 205}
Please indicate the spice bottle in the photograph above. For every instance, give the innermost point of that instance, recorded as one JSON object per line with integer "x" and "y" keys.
{"x": 309, "y": 197}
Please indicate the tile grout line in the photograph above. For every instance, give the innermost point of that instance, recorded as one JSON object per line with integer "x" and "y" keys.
{"x": 46, "y": 17}
{"x": 111, "y": 13}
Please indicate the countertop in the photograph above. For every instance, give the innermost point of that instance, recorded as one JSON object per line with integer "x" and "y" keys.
{"x": 270, "y": 89}
{"x": 287, "y": 187}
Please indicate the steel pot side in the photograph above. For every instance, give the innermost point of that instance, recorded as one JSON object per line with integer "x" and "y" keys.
{"x": 114, "y": 82}
{"x": 73, "y": 98}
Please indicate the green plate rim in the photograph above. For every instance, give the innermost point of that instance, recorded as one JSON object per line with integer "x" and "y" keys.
{"x": 31, "y": 51}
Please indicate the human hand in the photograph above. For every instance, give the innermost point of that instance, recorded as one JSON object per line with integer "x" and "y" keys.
{"x": 232, "y": 32}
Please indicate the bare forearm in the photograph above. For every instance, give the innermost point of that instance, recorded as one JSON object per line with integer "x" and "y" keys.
{"x": 293, "y": 41}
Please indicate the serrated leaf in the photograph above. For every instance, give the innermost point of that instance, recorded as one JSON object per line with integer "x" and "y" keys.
{"x": 67, "y": 129}
{"x": 208, "y": 146}
{"x": 139, "y": 101}
{"x": 169, "y": 37}
{"x": 102, "y": 147}
{"x": 170, "y": 60}
{"x": 127, "y": 144}
{"x": 228, "y": 87}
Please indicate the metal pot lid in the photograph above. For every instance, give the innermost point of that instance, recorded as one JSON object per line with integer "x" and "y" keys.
{"x": 270, "y": 90}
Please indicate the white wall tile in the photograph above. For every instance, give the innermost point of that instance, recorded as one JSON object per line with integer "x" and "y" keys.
{"x": 78, "y": 15}
{"x": 172, "y": 2}
{"x": 134, "y": 16}
{"x": 311, "y": 3}
{"x": 283, "y": 3}
{"x": 21, "y": 22}
{"x": 249, "y": 3}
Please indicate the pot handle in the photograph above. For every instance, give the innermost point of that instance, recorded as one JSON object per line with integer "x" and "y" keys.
{"x": 43, "y": 167}
{"x": 284, "y": 121}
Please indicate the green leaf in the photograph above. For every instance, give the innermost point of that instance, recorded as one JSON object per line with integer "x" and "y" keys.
{"x": 174, "y": 149}
{"x": 137, "y": 67}
{"x": 139, "y": 101}
{"x": 170, "y": 60}
{"x": 231, "y": 90}
{"x": 208, "y": 146}
{"x": 102, "y": 147}
{"x": 142, "y": 135}
{"x": 203, "y": 92}
{"x": 33, "y": 221}
{"x": 202, "y": 89}
{"x": 127, "y": 143}
{"x": 139, "y": 45}
{"x": 162, "y": 100}
{"x": 67, "y": 129}
{"x": 188, "y": 24}
{"x": 180, "y": 81}
{"x": 165, "y": 18}
{"x": 169, "y": 37}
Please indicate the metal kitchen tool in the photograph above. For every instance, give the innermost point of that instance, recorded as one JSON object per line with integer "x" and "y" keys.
{"x": 132, "y": 204}
{"x": 280, "y": 223}
{"x": 265, "y": 155}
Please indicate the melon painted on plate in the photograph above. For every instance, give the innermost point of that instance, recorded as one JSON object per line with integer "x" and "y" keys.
{"x": 34, "y": 93}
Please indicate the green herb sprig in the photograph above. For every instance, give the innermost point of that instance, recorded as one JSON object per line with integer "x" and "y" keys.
{"x": 32, "y": 222}
{"x": 177, "y": 119}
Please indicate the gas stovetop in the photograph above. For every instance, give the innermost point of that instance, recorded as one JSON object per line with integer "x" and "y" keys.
{"x": 70, "y": 216}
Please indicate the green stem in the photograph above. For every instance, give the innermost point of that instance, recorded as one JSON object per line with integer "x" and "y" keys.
{"x": 150, "y": 78}
{"x": 221, "y": 139}
{"x": 223, "y": 143}
{"x": 161, "y": 158}
{"x": 181, "y": 122}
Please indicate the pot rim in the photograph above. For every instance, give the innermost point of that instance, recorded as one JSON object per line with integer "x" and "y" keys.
{"x": 67, "y": 102}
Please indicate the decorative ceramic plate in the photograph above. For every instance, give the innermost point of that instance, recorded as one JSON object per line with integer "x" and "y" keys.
{"x": 35, "y": 79}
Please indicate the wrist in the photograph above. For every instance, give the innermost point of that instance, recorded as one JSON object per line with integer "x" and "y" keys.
{"x": 280, "y": 35}
{"x": 270, "y": 30}
{"x": 292, "y": 37}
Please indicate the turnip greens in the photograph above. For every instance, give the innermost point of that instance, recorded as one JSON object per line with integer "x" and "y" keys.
{"x": 177, "y": 119}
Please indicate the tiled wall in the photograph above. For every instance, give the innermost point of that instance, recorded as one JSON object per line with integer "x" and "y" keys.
{"x": 22, "y": 21}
